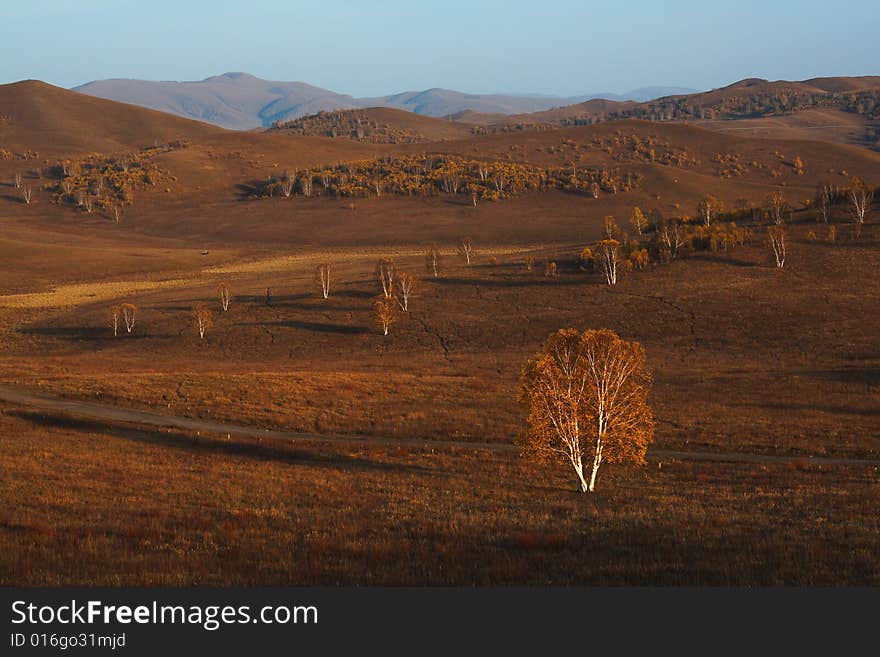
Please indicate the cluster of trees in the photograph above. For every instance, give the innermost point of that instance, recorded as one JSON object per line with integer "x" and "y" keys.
{"x": 349, "y": 124}
{"x": 397, "y": 288}
{"x": 855, "y": 198}
{"x": 738, "y": 106}
{"x": 643, "y": 148}
{"x": 107, "y": 182}
{"x": 430, "y": 175}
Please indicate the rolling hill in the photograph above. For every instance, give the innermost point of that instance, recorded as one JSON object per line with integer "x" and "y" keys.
{"x": 54, "y": 121}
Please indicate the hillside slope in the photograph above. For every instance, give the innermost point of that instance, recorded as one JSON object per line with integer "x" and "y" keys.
{"x": 53, "y": 121}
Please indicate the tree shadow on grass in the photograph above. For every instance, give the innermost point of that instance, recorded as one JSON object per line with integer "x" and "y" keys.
{"x": 722, "y": 259}
{"x": 251, "y": 448}
{"x": 822, "y": 408}
{"x": 535, "y": 281}
{"x": 321, "y": 327}
{"x": 90, "y": 334}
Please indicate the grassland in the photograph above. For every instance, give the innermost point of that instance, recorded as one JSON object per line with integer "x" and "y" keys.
{"x": 125, "y": 506}
{"x": 746, "y": 358}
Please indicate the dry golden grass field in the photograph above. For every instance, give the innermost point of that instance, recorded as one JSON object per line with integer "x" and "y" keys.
{"x": 746, "y": 358}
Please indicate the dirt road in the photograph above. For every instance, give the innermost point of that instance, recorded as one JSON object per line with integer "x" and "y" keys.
{"x": 116, "y": 414}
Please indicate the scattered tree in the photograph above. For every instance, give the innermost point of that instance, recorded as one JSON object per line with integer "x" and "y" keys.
{"x": 129, "y": 311}
{"x": 609, "y": 227}
{"x": 384, "y": 312}
{"x": 708, "y": 209}
{"x": 466, "y": 248}
{"x": 530, "y": 263}
{"x": 322, "y": 277}
{"x": 385, "y": 274}
{"x": 551, "y": 270}
{"x": 203, "y": 319}
{"x": 115, "y": 314}
{"x": 638, "y": 220}
{"x": 26, "y": 194}
{"x": 117, "y": 214}
{"x": 16, "y": 180}
{"x": 607, "y": 258}
{"x": 777, "y": 207}
{"x": 406, "y": 284}
{"x": 225, "y": 293}
{"x": 824, "y": 198}
{"x": 673, "y": 236}
{"x": 585, "y": 397}
{"x": 859, "y": 198}
{"x": 287, "y": 183}
{"x": 776, "y": 240}
{"x": 432, "y": 261}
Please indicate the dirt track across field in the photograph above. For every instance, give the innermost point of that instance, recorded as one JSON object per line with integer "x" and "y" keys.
{"x": 116, "y": 414}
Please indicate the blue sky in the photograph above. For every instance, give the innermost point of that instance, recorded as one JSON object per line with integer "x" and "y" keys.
{"x": 375, "y": 47}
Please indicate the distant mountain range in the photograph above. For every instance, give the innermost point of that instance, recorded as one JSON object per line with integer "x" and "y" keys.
{"x": 241, "y": 101}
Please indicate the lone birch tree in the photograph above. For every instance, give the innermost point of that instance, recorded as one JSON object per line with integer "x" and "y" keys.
{"x": 585, "y": 398}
